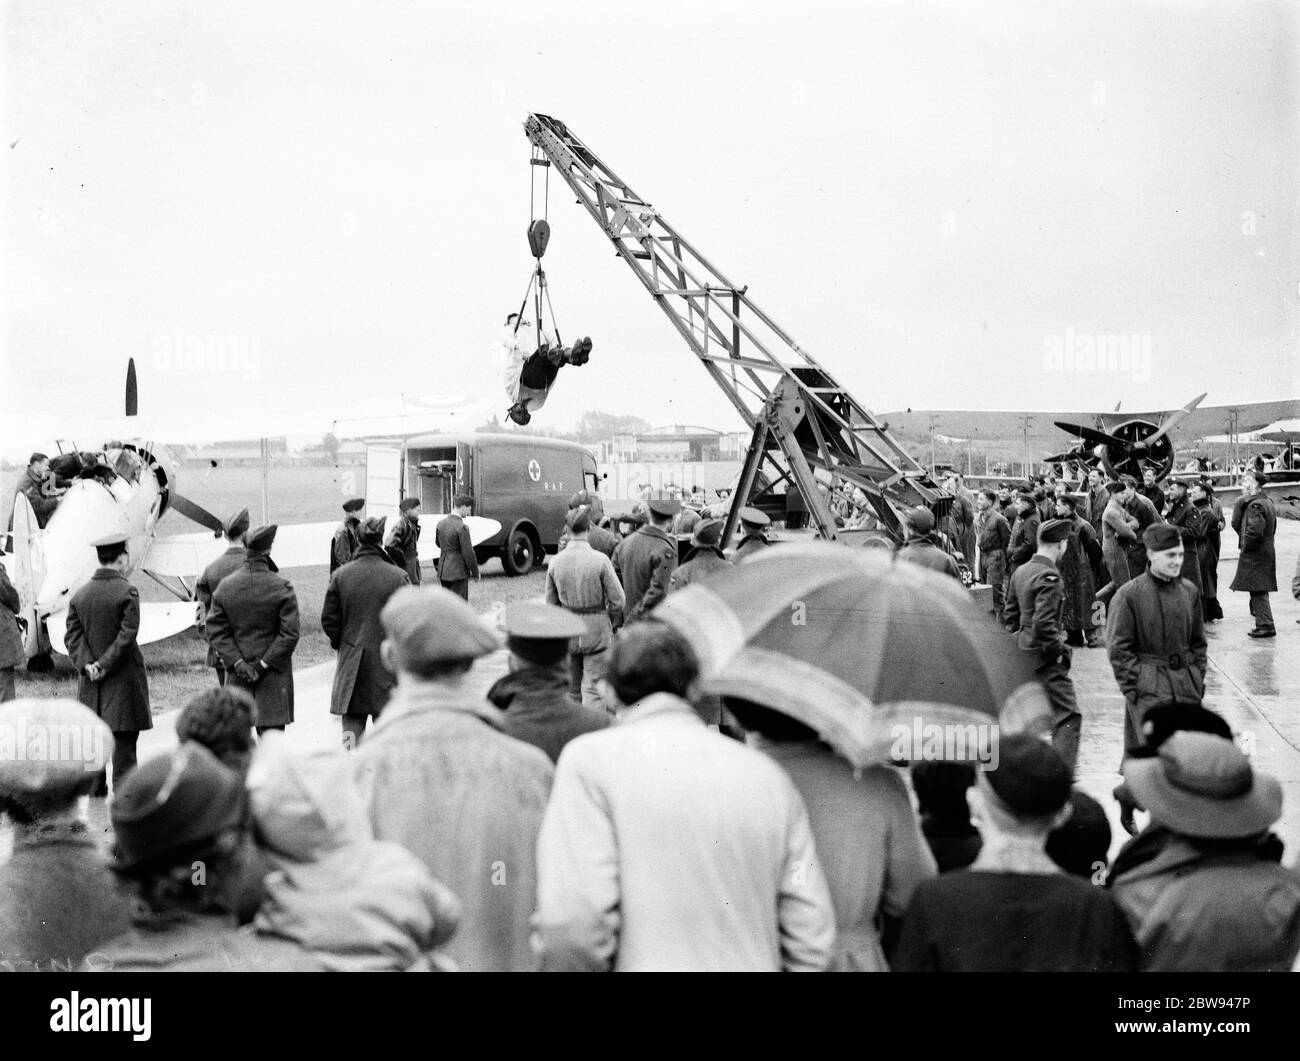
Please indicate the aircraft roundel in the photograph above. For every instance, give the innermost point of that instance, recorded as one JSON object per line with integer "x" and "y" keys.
{"x": 534, "y": 470}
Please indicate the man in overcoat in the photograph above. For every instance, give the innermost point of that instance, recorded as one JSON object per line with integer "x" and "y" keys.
{"x": 1155, "y": 635}
{"x": 457, "y": 563}
{"x": 253, "y": 625}
{"x": 356, "y": 595}
{"x": 645, "y": 560}
{"x": 344, "y": 545}
{"x": 1254, "y": 518}
{"x": 404, "y": 537}
{"x": 227, "y": 563}
{"x": 103, "y": 623}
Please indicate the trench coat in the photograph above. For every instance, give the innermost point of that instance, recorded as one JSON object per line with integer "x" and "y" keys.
{"x": 1078, "y": 565}
{"x": 254, "y": 618}
{"x": 404, "y": 534}
{"x": 11, "y": 641}
{"x": 1155, "y": 638}
{"x": 227, "y": 563}
{"x": 103, "y": 621}
{"x": 1117, "y": 534}
{"x": 644, "y": 562}
{"x": 1192, "y": 524}
{"x": 357, "y": 594}
{"x": 1255, "y": 521}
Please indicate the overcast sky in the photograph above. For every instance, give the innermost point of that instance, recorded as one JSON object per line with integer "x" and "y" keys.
{"x": 932, "y": 197}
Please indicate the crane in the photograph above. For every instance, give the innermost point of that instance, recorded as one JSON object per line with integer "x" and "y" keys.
{"x": 808, "y": 430}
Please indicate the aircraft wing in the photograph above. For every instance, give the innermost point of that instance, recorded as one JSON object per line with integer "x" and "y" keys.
{"x": 157, "y": 622}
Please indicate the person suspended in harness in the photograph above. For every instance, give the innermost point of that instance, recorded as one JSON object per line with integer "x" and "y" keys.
{"x": 530, "y": 373}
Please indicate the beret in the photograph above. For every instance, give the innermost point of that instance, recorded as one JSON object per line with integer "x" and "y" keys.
{"x": 409, "y": 503}
{"x": 354, "y": 505}
{"x": 708, "y": 532}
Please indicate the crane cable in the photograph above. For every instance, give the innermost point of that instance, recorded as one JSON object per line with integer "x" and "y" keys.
{"x": 538, "y": 275}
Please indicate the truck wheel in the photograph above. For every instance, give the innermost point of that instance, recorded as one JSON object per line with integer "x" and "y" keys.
{"x": 519, "y": 553}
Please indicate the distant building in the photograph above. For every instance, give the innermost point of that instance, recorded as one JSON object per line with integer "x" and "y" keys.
{"x": 679, "y": 442}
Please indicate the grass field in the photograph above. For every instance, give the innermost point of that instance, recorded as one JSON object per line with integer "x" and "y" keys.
{"x": 177, "y": 666}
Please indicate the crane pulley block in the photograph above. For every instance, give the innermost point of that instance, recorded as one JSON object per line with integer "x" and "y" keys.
{"x": 539, "y": 235}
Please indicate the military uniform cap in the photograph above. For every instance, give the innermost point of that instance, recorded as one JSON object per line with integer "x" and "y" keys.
{"x": 409, "y": 503}
{"x": 356, "y": 504}
{"x": 1054, "y": 530}
{"x": 109, "y": 541}
{"x": 1161, "y": 536}
{"x": 538, "y": 621}
{"x": 50, "y": 746}
{"x": 754, "y": 517}
{"x": 428, "y": 624}
{"x": 236, "y": 524}
{"x": 664, "y": 508}
{"x": 261, "y": 540}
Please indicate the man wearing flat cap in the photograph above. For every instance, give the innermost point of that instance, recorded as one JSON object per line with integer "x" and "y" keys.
{"x": 1212, "y": 898}
{"x": 535, "y": 695}
{"x": 1155, "y": 634}
{"x": 645, "y": 560}
{"x": 57, "y": 899}
{"x": 356, "y": 595}
{"x": 705, "y": 560}
{"x": 1035, "y": 608}
{"x": 583, "y": 581}
{"x": 345, "y": 545}
{"x": 440, "y": 776}
{"x": 103, "y": 624}
{"x": 234, "y": 528}
{"x": 403, "y": 538}
{"x": 753, "y": 530}
{"x": 253, "y": 625}
{"x": 457, "y": 563}
{"x": 921, "y": 548}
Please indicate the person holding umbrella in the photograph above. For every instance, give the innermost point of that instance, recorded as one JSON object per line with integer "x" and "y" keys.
{"x": 1034, "y": 610}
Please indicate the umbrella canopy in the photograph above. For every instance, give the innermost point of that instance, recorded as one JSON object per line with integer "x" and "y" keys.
{"x": 885, "y": 660}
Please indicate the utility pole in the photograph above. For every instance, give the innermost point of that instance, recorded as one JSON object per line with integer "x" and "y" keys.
{"x": 1025, "y": 421}
{"x": 934, "y": 419}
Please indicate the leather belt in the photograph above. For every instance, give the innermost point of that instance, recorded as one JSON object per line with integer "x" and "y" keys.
{"x": 1174, "y": 660}
{"x": 595, "y": 609}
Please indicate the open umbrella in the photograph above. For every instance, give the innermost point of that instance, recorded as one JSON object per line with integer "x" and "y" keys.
{"x": 884, "y": 659}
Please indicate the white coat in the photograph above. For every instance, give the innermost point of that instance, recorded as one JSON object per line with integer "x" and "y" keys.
{"x": 666, "y": 846}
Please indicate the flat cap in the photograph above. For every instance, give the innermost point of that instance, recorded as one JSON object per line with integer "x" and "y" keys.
{"x": 261, "y": 540}
{"x": 708, "y": 532}
{"x": 754, "y": 517}
{"x": 428, "y": 624}
{"x": 1161, "y": 536}
{"x": 1054, "y": 530}
{"x": 356, "y": 504}
{"x": 236, "y": 525}
{"x": 108, "y": 541}
{"x": 663, "y": 507}
{"x": 372, "y": 529}
{"x": 920, "y": 519}
{"x": 170, "y": 805}
{"x": 48, "y": 746}
{"x": 409, "y": 503}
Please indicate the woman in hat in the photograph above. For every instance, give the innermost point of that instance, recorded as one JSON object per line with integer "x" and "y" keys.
{"x": 1208, "y": 901}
